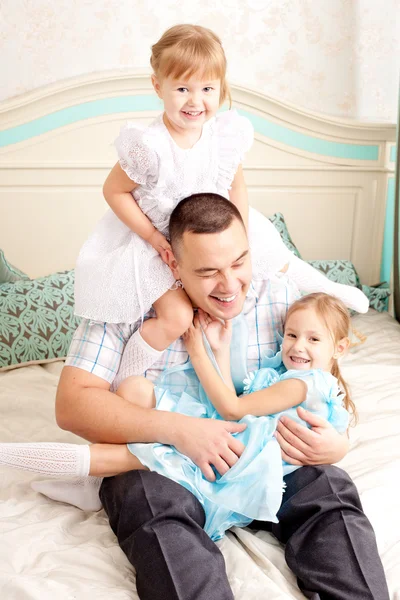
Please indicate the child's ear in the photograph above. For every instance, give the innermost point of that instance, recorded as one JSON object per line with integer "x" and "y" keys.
{"x": 156, "y": 85}
{"x": 341, "y": 347}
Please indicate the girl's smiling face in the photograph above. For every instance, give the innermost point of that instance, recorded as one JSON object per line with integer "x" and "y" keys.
{"x": 307, "y": 342}
{"x": 188, "y": 103}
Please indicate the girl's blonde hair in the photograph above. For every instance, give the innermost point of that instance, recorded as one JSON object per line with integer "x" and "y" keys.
{"x": 191, "y": 50}
{"x": 337, "y": 320}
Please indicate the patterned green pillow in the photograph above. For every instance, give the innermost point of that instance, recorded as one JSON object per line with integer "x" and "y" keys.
{"x": 340, "y": 271}
{"x": 36, "y": 319}
{"x": 279, "y": 222}
{"x": 378, "y": 295}
{"x": 343, "y": 271}
{"x": 8, "y": 273}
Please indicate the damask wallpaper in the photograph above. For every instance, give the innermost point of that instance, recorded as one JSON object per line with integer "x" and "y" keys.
{"x": 340, "y": 57}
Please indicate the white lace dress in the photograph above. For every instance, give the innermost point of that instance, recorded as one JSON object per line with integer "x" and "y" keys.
{"x": 118, "y": 275}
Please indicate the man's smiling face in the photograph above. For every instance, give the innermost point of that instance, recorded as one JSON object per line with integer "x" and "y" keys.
{"x": 215, "y": 269}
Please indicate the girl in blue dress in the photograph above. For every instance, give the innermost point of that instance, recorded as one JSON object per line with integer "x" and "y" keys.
{"x": 304, "y": 374}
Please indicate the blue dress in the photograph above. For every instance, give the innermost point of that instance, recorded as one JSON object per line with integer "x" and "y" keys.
{"x": 253, "y": 487}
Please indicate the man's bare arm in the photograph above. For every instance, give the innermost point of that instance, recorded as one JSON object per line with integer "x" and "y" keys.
{"x": 85, "y": 406}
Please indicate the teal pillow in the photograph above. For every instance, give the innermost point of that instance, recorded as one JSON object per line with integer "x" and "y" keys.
{"x": 343, "y": 271}
{"x": 279, "y": 222}
{"x": 378, "y": 295}
{"x": 36, "y": 319}
{"x": 340, "y": 271}
{"x": 8, "y": 273}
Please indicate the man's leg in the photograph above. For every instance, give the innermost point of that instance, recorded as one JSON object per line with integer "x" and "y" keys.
{"x": 330, "y": 544}
{"x": 159, "y": 526}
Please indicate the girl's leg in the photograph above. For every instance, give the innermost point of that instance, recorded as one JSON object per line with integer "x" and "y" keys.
{"x": 137, "y": 390}
{"x": 83, "y": 491}
{"x": 87, "y": 463}
{"x": 174, "y": 314}
{"x": 310, "y": 280}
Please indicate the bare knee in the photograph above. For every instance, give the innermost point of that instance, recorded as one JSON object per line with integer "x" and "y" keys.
{"x": 138, "y": 390}
{"x": 176, "y": 316}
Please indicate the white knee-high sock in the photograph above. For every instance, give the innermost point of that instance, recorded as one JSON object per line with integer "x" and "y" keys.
{"x": 138, "y": 356}
{"x": 55, "y": 459}
{"x": 47, "y": 458}
{"x": 310, "y": 280}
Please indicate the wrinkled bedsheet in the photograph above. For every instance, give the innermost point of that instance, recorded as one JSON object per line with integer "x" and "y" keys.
{"x": 51, "y": 550}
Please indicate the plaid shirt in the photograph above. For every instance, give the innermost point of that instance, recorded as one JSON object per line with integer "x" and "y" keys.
{"x": 98, "y": 347}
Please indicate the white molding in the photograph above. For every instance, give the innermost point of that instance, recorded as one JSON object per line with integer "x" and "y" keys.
{"x": 57, "y": 177}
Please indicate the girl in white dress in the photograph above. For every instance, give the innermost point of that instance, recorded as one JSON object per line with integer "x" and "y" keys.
{"x": 121, "y": 271}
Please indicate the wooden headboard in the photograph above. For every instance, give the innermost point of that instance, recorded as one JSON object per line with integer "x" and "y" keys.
{"x": 329, "y": 177}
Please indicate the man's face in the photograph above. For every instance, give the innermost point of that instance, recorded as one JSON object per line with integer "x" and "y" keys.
{"x": 215, "y": 270}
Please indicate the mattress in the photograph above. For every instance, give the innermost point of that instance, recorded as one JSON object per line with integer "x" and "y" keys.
{"x": 53, "y": 550}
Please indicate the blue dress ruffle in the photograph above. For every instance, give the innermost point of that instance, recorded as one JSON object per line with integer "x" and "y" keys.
{"x": 253, "y": 487}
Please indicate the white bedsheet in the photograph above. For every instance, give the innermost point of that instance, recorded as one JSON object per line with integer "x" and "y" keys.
{"x": 51, "y": 550}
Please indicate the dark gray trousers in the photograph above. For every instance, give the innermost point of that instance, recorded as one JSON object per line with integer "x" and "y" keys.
{"x": 330, "y": 544}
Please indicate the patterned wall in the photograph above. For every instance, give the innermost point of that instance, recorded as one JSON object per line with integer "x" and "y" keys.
{"x": 339, "y": 57}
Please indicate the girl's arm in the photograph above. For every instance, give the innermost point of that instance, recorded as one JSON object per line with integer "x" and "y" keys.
{"x": 238, "y": 195}
{"x": 219, "y": 335}
{"x": 278, "y": 397}
{"x": 117, "y": 192}
{"x": 223, "y": 359}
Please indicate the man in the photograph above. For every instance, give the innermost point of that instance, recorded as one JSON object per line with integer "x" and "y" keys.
{"x": 330, "y": 544}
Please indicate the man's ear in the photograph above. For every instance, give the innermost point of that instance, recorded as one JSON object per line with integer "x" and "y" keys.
{"x": 172, "y": 263}
{"x": 341, "y": 347}
{"x": 156, "y": 85}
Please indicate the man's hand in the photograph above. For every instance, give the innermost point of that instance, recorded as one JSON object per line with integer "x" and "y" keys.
{"x": 209, "y": 442}
{"x": 320, "y": 445}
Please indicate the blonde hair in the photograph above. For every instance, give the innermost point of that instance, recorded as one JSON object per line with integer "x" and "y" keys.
{"x": 337, "y": 320}
{"x": 188, "y": 50}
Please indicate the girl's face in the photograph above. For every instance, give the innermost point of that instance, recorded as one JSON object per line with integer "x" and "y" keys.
{"x": 188, "y": 103}
{"x": 307, "y": 342}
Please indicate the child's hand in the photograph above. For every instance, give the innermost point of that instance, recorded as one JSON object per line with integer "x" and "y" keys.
{"x": 193, "y": 338}
{"x": 160, "y": 243}
{"x": 217, "y": 332}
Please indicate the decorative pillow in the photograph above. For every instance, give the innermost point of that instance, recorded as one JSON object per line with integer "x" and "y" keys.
{"x": 378, "y": 295}
{"x": 279, "y": 222}
{"x": 340, "y": 271}
{"x": 343, "y": 271}
{"x": 8, "y": 273}
{"x": 36, "y": 319}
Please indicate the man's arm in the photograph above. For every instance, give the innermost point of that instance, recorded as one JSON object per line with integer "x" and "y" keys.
{"x": 320, "y": 445}
{"x": 85, "y": 406}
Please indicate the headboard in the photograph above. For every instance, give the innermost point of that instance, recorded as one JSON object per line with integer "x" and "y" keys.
{"x": 328, "y": 176}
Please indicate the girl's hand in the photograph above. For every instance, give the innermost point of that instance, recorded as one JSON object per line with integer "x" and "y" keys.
{"x": 193, "y": 338}
{"x": 217, "y": 332}
{"x": 160, "y": 243}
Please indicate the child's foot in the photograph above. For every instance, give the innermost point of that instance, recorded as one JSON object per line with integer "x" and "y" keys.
{"x": 82, "y": 492}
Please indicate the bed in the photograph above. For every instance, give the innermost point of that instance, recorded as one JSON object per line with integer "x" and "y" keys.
{"x": 328, "y": 176}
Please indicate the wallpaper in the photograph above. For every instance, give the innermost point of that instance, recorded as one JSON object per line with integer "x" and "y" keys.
{"x": 339, "y": 57}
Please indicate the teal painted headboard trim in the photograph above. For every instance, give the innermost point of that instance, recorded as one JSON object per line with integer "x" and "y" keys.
{"x": 387, "y": 249}
{"x": 79, "y": 112}
{"x": 308, "y": 143}
{"x": 149, "y": 102}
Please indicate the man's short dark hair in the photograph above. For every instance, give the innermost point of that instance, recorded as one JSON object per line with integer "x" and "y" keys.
{"x": 201, "y": 213}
